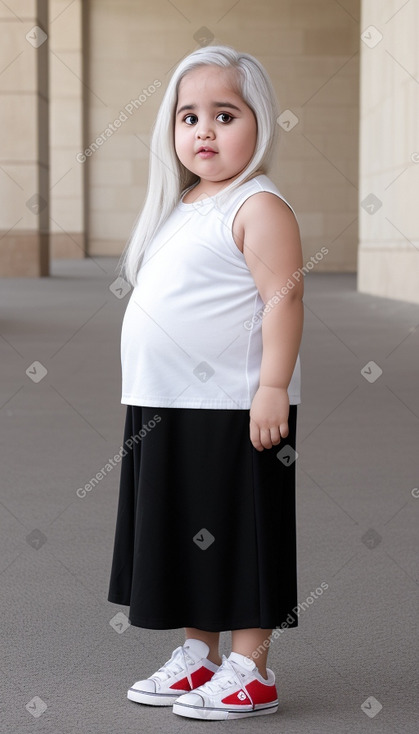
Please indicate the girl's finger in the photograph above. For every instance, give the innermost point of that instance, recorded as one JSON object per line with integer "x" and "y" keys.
{"x": 275, "y": 435}
{"x": 255, "y": 435}
{"x": 265, "y": 437}
{"x": 284, "y": 430}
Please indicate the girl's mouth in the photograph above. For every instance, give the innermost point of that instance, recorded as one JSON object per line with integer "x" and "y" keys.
{"x": 205, "y": 152}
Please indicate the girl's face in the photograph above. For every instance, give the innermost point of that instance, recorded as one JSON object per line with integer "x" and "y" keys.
{"x": 215, "y": 130}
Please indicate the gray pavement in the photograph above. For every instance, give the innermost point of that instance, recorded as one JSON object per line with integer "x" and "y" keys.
{"x": 350, "y": 665}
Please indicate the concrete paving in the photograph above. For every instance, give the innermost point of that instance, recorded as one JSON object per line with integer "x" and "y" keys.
{"x": 65, "y": 667}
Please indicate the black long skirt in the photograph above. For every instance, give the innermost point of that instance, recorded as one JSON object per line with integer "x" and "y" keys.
{"x": 206, "y": 524}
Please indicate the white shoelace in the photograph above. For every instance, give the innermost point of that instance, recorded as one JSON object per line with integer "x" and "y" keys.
{"x": 223, "y": 678}
{"x": 173, "y": 666}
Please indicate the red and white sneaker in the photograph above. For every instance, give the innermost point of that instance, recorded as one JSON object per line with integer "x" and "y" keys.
{"x": 236, "y": 690}
{"x": 187, "y": 669}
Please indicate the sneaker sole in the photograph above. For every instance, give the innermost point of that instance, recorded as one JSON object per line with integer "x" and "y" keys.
{"x": 214, "y": 714}
{"x": 153, "y": 699}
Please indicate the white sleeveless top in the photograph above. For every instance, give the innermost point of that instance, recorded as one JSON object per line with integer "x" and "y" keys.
{"x": 192, "y": 330}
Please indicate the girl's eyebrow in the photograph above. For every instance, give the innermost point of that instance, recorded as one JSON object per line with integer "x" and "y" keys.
{"x": 214, "y": 104}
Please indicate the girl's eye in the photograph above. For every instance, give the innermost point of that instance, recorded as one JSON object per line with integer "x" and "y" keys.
{"x": 190, "y": 119}
{"x": 222, "y": 117}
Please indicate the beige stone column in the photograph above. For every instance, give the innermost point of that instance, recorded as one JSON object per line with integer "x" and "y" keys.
{"x": 388, "y": 256}
{"x": 67, "y": 68}
{"x": 24, "y": 140}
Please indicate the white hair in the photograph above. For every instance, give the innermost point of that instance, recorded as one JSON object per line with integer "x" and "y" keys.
{"x": 168, "y": 178}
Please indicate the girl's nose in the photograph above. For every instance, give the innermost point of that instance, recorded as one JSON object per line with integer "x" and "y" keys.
{"x": 204, "y": 132}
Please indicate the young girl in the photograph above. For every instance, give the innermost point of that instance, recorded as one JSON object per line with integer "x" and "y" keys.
{"x": 205, "y": 533}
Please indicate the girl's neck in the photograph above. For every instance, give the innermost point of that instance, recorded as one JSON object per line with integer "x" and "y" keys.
{"x": 204, "y": 189}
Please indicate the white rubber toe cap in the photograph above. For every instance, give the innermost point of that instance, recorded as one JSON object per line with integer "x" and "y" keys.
{"x": 148, "y": 686}
{"x": 191, "y": 699}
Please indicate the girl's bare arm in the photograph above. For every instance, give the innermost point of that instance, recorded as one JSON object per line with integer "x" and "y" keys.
{"x": 272, "y": 250}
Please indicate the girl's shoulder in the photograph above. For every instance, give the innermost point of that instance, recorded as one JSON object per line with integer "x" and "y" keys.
{"x": 263, "y": 184}
{"x": 264, "y": 203}
{"x": 259, "y": 208}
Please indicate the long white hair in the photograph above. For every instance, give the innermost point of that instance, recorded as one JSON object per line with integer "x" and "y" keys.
{"x": 168, "y": 178}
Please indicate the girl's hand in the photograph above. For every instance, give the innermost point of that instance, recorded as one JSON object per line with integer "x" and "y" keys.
{"x": 269, "y": 417}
